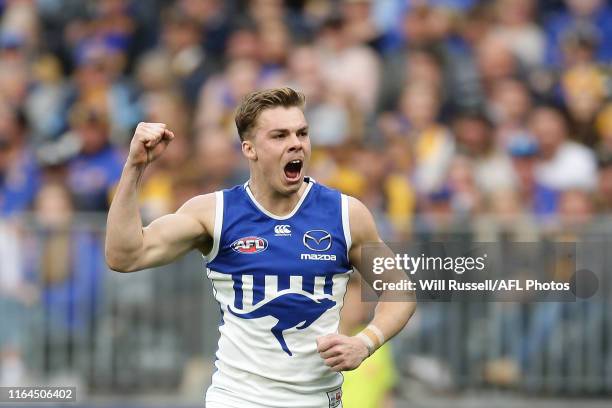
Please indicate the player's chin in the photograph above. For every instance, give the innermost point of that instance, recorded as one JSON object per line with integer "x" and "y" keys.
{"x": 292, "y": 184}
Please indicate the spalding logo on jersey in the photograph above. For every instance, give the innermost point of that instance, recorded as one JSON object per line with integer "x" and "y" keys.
{"x": 250, "y": 245}
{"x": 290, "y": 309}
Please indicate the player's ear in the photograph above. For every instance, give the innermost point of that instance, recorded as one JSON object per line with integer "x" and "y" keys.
{"x": 248, "y": 149}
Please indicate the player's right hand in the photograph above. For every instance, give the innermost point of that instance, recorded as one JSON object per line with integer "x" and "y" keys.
{"x": 149, "y": 142}
{"x": 340, "y": 352}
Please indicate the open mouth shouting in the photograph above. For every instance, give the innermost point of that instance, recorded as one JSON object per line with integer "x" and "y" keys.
{"x": 293, "y": 170}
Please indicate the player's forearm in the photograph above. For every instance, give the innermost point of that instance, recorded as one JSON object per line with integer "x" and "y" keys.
{"x": 389, "y": 319}
{"x": 124, "y": 236}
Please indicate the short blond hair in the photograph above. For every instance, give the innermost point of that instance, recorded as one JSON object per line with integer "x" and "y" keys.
{"x": 256, "y": 102}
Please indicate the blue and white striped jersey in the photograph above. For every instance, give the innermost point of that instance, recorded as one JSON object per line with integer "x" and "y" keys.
{"x": 280, "y": 283}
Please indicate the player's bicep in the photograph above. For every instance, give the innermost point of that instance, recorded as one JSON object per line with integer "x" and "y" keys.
{"x": 172, "y": 235}
{"x": 365, "y": 237}
{"x": 363, "y": 231}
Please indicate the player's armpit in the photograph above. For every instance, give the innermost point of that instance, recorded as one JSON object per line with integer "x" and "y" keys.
{"x": 170, "y": 236}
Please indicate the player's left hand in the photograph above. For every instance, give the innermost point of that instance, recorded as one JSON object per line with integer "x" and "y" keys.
{"x": 341, "y": 353}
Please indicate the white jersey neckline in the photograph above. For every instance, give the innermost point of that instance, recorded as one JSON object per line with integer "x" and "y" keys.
{"x": 261, "y": 208}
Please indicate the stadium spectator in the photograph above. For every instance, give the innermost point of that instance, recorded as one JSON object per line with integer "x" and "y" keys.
{"x": 221, "y": 93}
{"x": 216, "y": 158}
{"x": 594, "y": 13}
{"x": 508, "y": 108}
{"x": 19, "y": 171}
{"x": 216, "y": 23}
{"x": 603, "y": 145}
{"x": 466, "y": 198}
{"x": 16, "y": 295}
{"x": 583, "y": 83}
{"x": 66, "y": 264}
{"x": 45, "y": 104}
{"x": 344, "y": 60}
{"x": 372, "y": 384}
{"x": 431, "y": 144}
{"x": 93, "y": 173}
{"x": 563, "y": 164}
{"x": 516, "y": 27}
{"x": 495, "y": 61}
{"x": 331, "y": 119}
{"x": 604, "y": 193}
{"x": 359, "y": 22}
{"x": 98, "y": 83}
{"x": 523, "y": 152}
{"x": 492, "y": 167}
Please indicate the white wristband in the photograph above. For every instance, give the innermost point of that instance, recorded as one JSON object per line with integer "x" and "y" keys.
{"x": 379, "y": 334}
{"x": 368, "y": 343}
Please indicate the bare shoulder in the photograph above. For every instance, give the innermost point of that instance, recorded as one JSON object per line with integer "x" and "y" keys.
{"x": 362, "y": 225}
{"x": 357, "y": 208}
{"x": 199, "y": 203}
{"x": 202, "y": 208}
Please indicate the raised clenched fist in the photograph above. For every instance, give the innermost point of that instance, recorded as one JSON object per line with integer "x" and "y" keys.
{"x": 148, "y": 143}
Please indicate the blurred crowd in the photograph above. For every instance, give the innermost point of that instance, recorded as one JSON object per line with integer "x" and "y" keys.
{"x": 432, "y": 112}
{"x": 450, "y": 108}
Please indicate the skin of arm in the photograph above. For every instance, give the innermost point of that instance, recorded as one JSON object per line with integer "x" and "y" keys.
{"x": 130, "y": 247}
{"x": 340, "y": 352}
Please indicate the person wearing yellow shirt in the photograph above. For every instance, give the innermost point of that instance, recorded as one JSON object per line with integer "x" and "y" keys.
{"x": 371, "y": 384}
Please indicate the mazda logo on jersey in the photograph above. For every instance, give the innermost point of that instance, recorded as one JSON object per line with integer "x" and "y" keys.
{"x": 250, "y": 245}
{"x": 317, "y": 240}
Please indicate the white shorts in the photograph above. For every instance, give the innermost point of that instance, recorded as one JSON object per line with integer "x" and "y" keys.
{"x": 232, "y": 402}
{"x": 218, "y": 405}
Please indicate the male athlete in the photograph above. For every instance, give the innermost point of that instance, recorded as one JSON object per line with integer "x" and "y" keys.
{"x": 279, "y": 251}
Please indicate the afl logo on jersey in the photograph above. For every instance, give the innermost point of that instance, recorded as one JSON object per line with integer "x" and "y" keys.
{"x": 250, "y": 245}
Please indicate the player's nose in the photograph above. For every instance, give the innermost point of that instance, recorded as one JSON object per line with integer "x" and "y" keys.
{"x": 294, "y": 142}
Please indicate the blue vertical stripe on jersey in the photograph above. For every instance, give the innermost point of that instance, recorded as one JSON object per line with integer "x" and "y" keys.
{"x": 237, "y": 291}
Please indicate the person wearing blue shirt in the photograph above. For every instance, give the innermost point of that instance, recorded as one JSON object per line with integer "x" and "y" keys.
{"x": 19, "y": 170}
{"x": 594, "y": 14}
{"x": 94, "y": 172}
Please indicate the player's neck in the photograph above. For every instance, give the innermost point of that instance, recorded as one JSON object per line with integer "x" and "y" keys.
{"x": 274, "y": 202}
